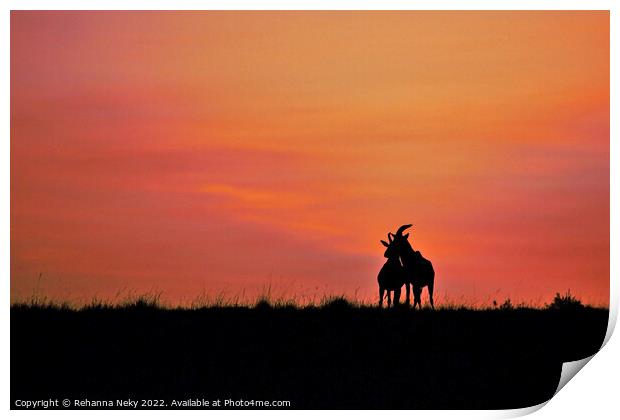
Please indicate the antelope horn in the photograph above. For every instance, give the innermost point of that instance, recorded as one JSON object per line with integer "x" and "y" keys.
{"x": 401, "y": 229}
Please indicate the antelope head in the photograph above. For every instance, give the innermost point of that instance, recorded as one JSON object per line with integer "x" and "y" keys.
{"x": 400, "y": 241}
{"x": 391, "y": 250}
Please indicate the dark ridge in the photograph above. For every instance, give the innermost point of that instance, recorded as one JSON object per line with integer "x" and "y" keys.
{"x": 335, "y": 356}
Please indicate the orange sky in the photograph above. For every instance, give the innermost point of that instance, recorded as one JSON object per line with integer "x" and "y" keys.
{"x": 226, "y": 152}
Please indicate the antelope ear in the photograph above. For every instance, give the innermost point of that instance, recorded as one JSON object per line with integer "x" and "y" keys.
{"x": 385, "y": 244}
{"x": 406, "y": 236}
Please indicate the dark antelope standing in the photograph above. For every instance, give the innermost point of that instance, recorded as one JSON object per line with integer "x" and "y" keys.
{"x": 391, "y": 278}
{"x": 418, "y": 270}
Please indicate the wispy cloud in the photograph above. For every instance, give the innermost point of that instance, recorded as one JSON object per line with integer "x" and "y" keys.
{"x": 256, "y": 197}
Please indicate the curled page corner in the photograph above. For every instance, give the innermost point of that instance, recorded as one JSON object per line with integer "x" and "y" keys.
{"x": 570, "y": 369}
{"x": 611, "y": 323}
{"x": 520, "y": 412}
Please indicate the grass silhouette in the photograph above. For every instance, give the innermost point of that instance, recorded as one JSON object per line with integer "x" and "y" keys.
{"x": 154, "y": 300}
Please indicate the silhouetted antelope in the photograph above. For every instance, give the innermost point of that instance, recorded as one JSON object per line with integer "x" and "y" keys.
{"x": 419, "y": 271}
{"x": 391, "y": 277}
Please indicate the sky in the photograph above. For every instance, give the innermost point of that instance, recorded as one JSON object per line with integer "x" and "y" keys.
{"x": 239, "y": 154}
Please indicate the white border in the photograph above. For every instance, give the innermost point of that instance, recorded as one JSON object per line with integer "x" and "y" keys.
{"x": 592, "y": 394}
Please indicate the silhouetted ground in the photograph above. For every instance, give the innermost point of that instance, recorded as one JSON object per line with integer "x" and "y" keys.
{"x": 334, "y": 357}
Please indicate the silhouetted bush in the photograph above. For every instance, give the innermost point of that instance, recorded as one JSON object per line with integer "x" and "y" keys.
{"x": 336, "y": 303}
{"x": 566, "y": 302}
{"x": 262, "y": 304}
{"x": 143, "y": 302}
{"x": 506, "y": 306}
